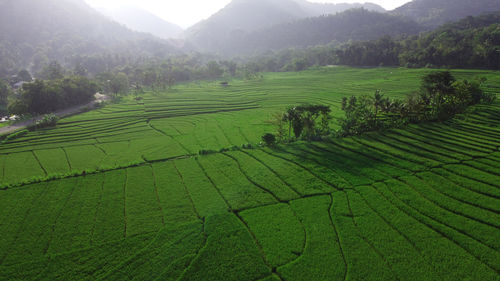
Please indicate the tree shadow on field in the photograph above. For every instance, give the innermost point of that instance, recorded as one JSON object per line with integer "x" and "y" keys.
{"x": 353, "y": 161}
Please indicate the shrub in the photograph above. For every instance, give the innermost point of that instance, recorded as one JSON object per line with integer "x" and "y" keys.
{"x": 206, "y": 152}
{"x": 15, "y": 135}
{"x": 48, "y": 120}
{"x": 247, "y": 146}
{"x": 269, "y": 139}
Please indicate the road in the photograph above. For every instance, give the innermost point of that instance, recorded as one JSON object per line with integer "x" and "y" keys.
{"x": 61, "y": 113}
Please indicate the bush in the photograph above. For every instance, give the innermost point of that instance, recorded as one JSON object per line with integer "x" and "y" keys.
{"x": 48, "y": 120}
{"x": 247, "y": 146}
{"x": 269, "y": 139}
{"x": 16, "y": 135}
{"x": 206, "y": 152}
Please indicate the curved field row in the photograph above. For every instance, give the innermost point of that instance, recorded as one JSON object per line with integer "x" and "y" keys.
{"x": 415, "y": 204}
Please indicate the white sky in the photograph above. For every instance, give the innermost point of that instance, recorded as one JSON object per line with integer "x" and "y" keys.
{"x": 188, "y": 12}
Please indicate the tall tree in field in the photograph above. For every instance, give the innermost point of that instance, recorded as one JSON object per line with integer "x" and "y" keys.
{"x": 378, "y": 103}
{"x": 119, "y": 84}
{"x": 4, "y": 94}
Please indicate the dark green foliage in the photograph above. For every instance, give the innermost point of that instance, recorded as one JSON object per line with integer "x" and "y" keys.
{"x": 441, "y": 97}
{"x": 4, "y": 94}
{"x": 247, "y": 146}
{"x": 354, "y": 24}
{"x": 360, "y": 116}
{"x": 206, "y": 152}
{"x": 52, "y": 71}
{"x": 432, "y": 13}
{"x": 472, "y": 42}
{"x": 15, "y": 135}
{"x": 119, "y": 84}
{"x": 303, "y": 121}
{"x": 269, "y": 139}
{"x": 48, "y": 120}
{"x": 47, "y": 96}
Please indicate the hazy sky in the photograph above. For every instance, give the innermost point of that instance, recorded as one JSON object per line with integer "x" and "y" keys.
{"x": 188, "y": 12}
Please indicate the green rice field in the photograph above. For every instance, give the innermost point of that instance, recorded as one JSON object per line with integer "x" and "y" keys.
{"x": 120, "y": 193}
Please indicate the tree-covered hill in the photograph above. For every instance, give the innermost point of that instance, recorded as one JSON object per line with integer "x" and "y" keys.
{"x": 32, "y": 33}
{"x": 473, "y": 42}
{"x": 433, "y": 13}
{"x": 243, "y": 16}
{"x": 355, "y": 24}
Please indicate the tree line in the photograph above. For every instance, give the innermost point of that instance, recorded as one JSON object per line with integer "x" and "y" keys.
{"x": 41, "y": 97}
{"x": 473, "y": 42}
{"x": 306, "y": 122}
{"x": 440, "y": 98}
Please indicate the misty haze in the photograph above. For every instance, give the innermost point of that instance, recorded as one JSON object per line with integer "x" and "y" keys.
{"x": 250, "y": 140}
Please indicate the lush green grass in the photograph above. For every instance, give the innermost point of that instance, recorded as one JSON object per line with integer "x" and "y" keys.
{"x": 420, "y": 203}
{"x": 205, "y": 116}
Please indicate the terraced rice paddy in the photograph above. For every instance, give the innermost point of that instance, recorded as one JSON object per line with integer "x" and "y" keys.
{"x": 421, "y": 203}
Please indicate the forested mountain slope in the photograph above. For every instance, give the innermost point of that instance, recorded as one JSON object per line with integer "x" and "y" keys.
{"x": 242, "y": 16}
{"x": 34, "y": 32}
{"x": 433, "y": 13}
{"x": 355, "y": 24}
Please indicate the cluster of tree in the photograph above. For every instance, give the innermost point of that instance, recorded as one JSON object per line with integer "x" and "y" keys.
{"x": 241, "y": 21}
{"x": 473, "y": 42}
{"x": 352, "y": 25}
{"x": 120, "y": 80}
{"x": 48, "y": 120}
{"x": 5, "y": 92}
{"x": 308, "y": 122}
{"x": 440, "y": 98}
{"x": 42, "y": 97}
{"x": 355, "y": 24}
{"x": 433, "y": 13}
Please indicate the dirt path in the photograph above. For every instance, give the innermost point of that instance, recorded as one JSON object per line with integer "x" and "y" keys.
{"x": 61, "y": 113}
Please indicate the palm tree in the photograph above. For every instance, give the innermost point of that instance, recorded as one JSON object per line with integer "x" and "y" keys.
{"x": 378, "y": 102}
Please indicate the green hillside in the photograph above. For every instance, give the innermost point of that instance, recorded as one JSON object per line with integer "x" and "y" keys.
{"x": 33, "y": 33}
{"x": 420, "y": 203}
{"x": 433, "y": 13}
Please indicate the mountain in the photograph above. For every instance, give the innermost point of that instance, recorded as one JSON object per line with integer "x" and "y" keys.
{"x": 141, "y": 20}
{"x": 319, "y": 9}
{"x": 433, "y": 13}
{"x": 32, "y": 33}
{"x": 251, "y": 15}
{"x": 355, "y": 24}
